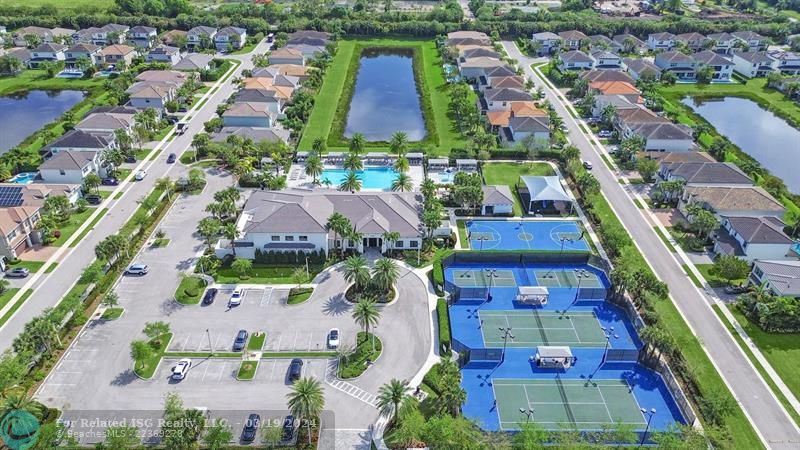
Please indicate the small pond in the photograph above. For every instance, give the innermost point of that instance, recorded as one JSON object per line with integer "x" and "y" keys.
{"x": 24, "y": 113}
{"x": 385, "y": 97}
{"x": 758, "y": 132}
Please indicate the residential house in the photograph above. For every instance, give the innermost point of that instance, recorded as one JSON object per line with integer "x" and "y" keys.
{"x": 20, "y": 211}
{"x": 111, "y": 33}
{"x": 292, "y": 220}
{"x": 574, "y": 60}
{"x": 141, "y": 36}
{"x": 605, "y": 75}
{"x": 533, "y": 131}
{"x": 22, "y": 54}
{"x": 71, "y": 167}
{"x": 62, "y": 35}
{"x": 164, "y": 54}
{"x": 499, "y": 71}
{"x": 271, "y": 71}
{"x": 573, "y": 39}
{"x": 477, "y": 52}
{"x": 45, "y": 35}
{"x": 546, "y": 43}
{"x": 248, "y": 115}
{"x": 255, "y": 135}
{"x": 723, "y": 67}
{"x": 787, "y": 63}
{"x": 106, "y": 122}
{"x": 751, "y": 40}
{"x": 620, "y": 94}
{"x": 200, "y": 37}
{"x": 497, "y": 200}
{"x": 309, "y": 37}
{"x": 118, "y": 53}
{"x": 270, "y": 99}
{"x": 165, "y": 76}
{"x": 752, "y": 238}
{"x": 598, "y": 42}
{"x": 194, "y": 62}
{"x": 230, "y": 37}
{"x": 475, "y": 68}
{"x": 500, "y": 119}
{"x": 628, "y": 43}
{"x": 515, "y": 82}
{"x": 781, "y": 278}
{"x": 46, "y": 53}
{"x": 693, "y": 41}
{"x": 468, "y": 38}
{"x": 619, "y": 102}
{"x": 722, "y": 42}
{"x": 85, "y": 35}
{"x": 79, "y": 141}
{"x": 175, "y": 38}
{"x": 500, "y": 99}
{"x": 661, "y": 42}
{"x": 606, "y": 60}
{"x": 664, "y": 137}
{"x": 703, "y": 174}
{"x": 641, "y": 68}
{"x": 287, "y": 56}
{"x": 683, "y": 66}
{"x": 753, "y": 64}
{"x": 739, "y": 201}
{"x": 678, "y": 157}
{"x": 89, "y": 51}
{"x": 309, "y": 52}
{"x": 152, "y": 94}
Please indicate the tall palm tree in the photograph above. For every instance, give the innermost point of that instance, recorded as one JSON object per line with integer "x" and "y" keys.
{"x": 402, "y": 183}
{"x": 314, "y": 167}
{"x": 306, "y": 400}
{"x": 20, "y": 402}
{"x": 398, "y": 143}
{"x": 392, "y": 396}
{"x": 231, "y": 232}
{"x": 165, "y": 185}
{"x": 356, "y": 271}
{"x": 384, "y": 274}
{"x": 428, "y": 189}
{"x": 350, "y": 183}
{"x": 366, "y": 314}
{"x": 339, "y": 224}
{"x": 390, "y": 237}
{"x": 357, "y": 142}
{"x": 401, "y": 164}
{"x": 353, "y": 162}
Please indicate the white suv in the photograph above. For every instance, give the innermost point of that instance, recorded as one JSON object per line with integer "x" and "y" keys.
{"x": 236, "y": 298}
{"x": 137, "y": 269}
{"x": 181, "y": 369}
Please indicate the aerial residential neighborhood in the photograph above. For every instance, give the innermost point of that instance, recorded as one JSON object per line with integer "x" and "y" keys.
{"x": 388, "y": 225}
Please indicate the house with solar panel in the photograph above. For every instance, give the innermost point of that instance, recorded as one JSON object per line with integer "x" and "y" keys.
{"x": 21, "y": 209}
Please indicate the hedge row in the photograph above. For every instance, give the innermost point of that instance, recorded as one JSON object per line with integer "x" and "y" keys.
{"x": 290, "y": 257}
{"x": 444, "y": 326}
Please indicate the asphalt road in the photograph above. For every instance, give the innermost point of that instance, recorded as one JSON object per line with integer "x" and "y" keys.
{"x": 765, "y": 412}
{"x": 50, "y": 289}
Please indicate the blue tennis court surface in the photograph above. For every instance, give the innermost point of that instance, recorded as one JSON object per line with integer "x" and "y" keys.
{"x": 525, "y": 235}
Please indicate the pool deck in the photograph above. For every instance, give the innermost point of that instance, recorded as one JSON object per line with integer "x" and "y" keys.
{"x": 297, "y": 177}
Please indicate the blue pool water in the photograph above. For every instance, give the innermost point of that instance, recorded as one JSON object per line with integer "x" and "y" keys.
{"x": 24, "y": 178}
{"x": 371, "y": 177}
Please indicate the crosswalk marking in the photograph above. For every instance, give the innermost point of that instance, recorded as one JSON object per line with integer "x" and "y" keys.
{"x": 348, "y": 388}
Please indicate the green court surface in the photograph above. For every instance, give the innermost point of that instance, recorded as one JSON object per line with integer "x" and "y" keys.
{"x": 532, "y": 328}
{"x": 480, "y": 278}
{"x": 567, "y": 278}
{"x": 585, "y": 404}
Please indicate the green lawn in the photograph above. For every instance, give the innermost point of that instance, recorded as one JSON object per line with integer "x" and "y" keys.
{"x": 261, "y": 274}
{"x": 190, "y": 290}
{"x": 147, "y": 368}
{"x": 299, "y": 295}
{"x": 5, "y": 298}
{"x": 692, "y": 276}
{"x": 244, "y": 50}
{"x": 256, "y": 342}
{"x": 112, "y": 313}
{"x": 247, "y": 370}
{"x": 356, "y": 363}
{"x": 462, "y": 233}
{"x": 71, "y": 226}
{"x": 90, "y": 227}
{"x": 159, "y": 243}
{"x": 33, "y": 266}
{"x": 509, "y": 173}
{"x": 327, "y": 100}
{"x": 713, "y": 279}
{"x": 37, "y": 79}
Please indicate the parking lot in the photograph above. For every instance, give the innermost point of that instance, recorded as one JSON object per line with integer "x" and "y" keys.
{"x": 272, "y": 372}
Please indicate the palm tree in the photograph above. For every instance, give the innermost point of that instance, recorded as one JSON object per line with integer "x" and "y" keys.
{"x": 165, "y": 185}
{"x": 366, "y": 314}
{"x": 401, "y": 164}
{"x": 428, "y": 189}
{"x": 319, "y": 146}
{"x": 356, "y": 272}
{"x": 231, "y": 232}
{"x": 402, "y": 183}
{"x": 398, "y": 143}
{"x": 390, "y": 237}
{"x": 351, "y": 182}
{"x": 314, "y": 167}
{"x": 19, "y": 402}
{"x": 357, "y": 143}
{"x": 339, "y": 224}
{"x": 392, "y": 396}
{"x": 306, "y": 400}
{"x": 384, "y": 274}
{"x": 353, "y": 162}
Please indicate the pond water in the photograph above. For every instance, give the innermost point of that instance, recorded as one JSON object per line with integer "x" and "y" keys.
{"x": 385, "y": 97}
{"x": 758, "y": 132}
{"x": 24, "y": 113}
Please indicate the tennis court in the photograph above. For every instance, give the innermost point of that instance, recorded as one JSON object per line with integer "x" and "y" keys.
{"x": 567, "y": 278}
{"x": 525, "y": 235}
{"x": 484, "y": 278}
{"x": 585, "y": 404}
{"x": 532, "y": 328}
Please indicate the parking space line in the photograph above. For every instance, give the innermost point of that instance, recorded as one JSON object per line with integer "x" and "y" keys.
{"x": 280, "y": 338}
{"x": 266, "y": 296}
{"x": 186, "y": 342}
{"x": 204, "y": 373}
{"x": 309, "y": 340}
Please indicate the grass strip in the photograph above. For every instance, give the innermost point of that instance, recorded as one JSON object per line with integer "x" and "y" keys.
{"x": 190, "y": 290}
{"x": 299, "y": 295}
{"x": 14, "y": 308}
{"x": 692, "y": 276}
{"x": 112, "y": 313}
{"x": 661, "y": 234}
{"x": 247, "y": 370}
{"x": 462, "y": 233}
{"x": 90, "y": 227}
{"x": 256, "y": 342}
{"x": 148, "y": 366}
{"x": 368, "y": 349}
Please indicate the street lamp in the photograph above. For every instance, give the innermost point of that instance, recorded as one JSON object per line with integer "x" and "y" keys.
{"x": 491, "y": 273}
{"x": 308, "y": 275}
{"x": 210, "y": 347}
{"x": 561, "y": 253}
{"x": 607, "y": 333}
{"x": 506, "y": 336}
{"x": 650, "y": 415}
{"x": 577, "y": 292}
{"x": 528, "y": 412}
{"x": 373, "y": 337}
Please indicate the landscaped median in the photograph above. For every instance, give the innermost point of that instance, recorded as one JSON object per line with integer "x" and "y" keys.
{"x": 368, "y": 349}
{"x": 247, "y": 370}
{"x": 190, "y": 290}
{"x": 299, "y": 295}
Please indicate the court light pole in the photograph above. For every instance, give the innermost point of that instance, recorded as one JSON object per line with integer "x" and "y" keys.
{"x": 649, "y": 415}
{"x": 506, "y": 336}
{"x": 491, "y": 273}
{"x": 210, "y": 347}
{"x": 528, "y": 412}
{"x": 577, "y": 292}
{"x": 607, "y": 333}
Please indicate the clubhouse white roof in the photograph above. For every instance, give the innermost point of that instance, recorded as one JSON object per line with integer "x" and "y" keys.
{"x": 545, "y": 188}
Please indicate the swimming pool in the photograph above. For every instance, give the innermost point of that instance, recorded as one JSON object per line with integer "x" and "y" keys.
{"x": 380, "y": 178}
{"x": 24, "y": 178}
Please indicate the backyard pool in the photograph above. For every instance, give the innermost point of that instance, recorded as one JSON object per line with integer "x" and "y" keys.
{"x": 24, "y": 178}
{"x": 377, "y": 178}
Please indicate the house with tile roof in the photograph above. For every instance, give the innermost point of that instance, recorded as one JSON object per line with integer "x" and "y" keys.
{"x": 722, "y": 66}
{"x": 604, "y": 59}
{"x": 112, "y": 33}
{"x": 118, "y": 53}
{"x": 230, "y": 37}
{"x": 46, "y": 53}
{"x": 573, "y": 39}
{"x": 723, "y": 43}
{"x": 533, "y": 131}
{"x": 546, "y": 43}
{"x": 468, "y": 38}
{"x": 752, "y": 64}
{"x": 575, "y": 60}
{"x": 497, "y": 200}
{"x": 287, "y": 56}
{"x": 781, "y": 278}
{"x": 194, "y": 62}
{"x": 641, "y": 68}
{"x": 81, "y": 50}
{"x": 728, "y": 201}
{"x": 752, "y": 238}
{"x": 693, "y": 41}
{"x": 152, "y": 94}
{"x": 71, "y": 167}
{"x": 474, "y": 68}
{"x": 751, "y": 40}
{"x": 309, "y": 37}
{"x": 683, "y": 66}
{"x": 248, "y": 115}
{"x": 77, "y": 140}
{"x": 628, "y": 43}
{"x": 605, "y": 75}
{"x": 709, "y": 174}
{"x": 164, "y": 54}
{"x": 141, "y": 36}
{"x": 661, "y": 41}
{"x": 200, "y": 36}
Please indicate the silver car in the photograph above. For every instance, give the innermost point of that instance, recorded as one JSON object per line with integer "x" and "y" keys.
{"x": 137, "y": 269}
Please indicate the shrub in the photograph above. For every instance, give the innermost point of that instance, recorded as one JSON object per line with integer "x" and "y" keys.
{"x": 191, "y": 291}
{"x": 444, "y": 326}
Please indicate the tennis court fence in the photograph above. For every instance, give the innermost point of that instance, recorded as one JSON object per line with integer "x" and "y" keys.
{"x": 622, "y": 355}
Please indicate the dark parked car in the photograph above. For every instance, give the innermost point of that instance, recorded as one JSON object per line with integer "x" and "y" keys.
{"x": 130, "y": 159}
{"x": 211, "y": 294}
{"x": 111, "y": 181}
{"x": 736, "y": 289}
{"x": 94, "y": 199}
{"x": 251, "y": 428}
{"x": 171, "y": 158}
{"x": 288, "y": 429}
{"x": 19, "y": 272}
{"x": 172, "y": 120}
{"x": 295, "y": 369}
{"x": 240, "y": 341}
